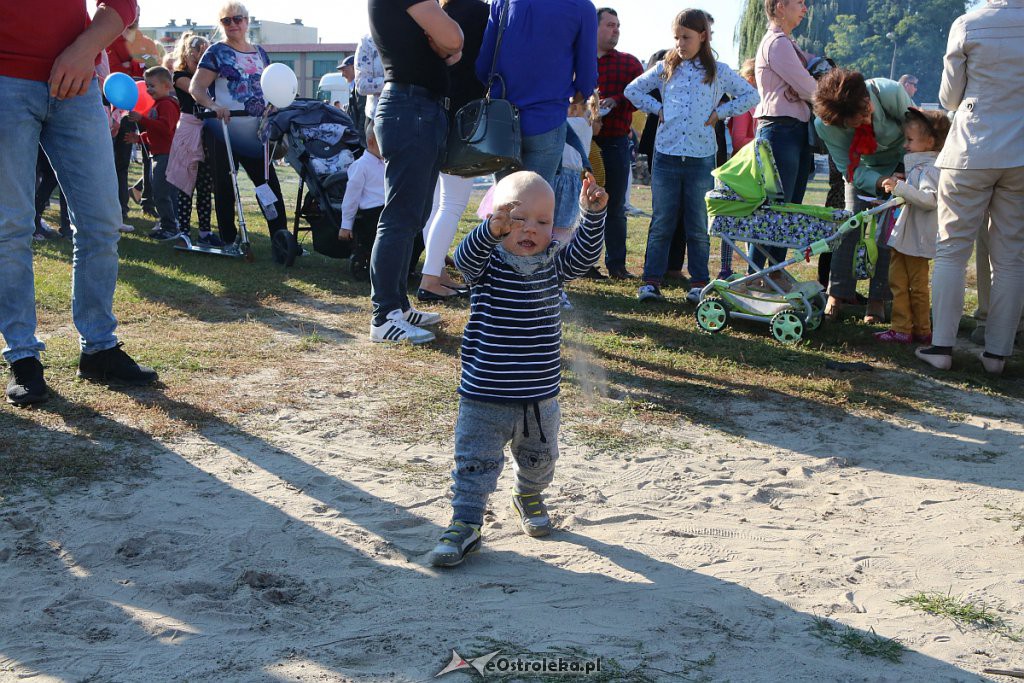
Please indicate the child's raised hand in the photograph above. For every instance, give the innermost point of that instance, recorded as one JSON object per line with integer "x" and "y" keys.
{"x": 501, "y": 222}
{"x": 889, "y": 184}
{"x": 593, "y": 197}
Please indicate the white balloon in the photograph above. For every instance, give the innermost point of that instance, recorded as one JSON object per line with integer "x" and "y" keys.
{"x": 280, "y": 86}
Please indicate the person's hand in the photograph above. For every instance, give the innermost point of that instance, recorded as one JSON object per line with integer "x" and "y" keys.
{"x": 72, "y": 72}
{"x": 501, "y": 222}
{"x": 223, "y": 113}
{"x": 661, "y": 116}
{"x": 593, "y": 197}
{"x": 454, "y": 59}
{"x": 134, "y": 116}
{"x": 344, "y": 235}
{"x": 608, "y": 103}
{"x": 889, "y": 184}
{"x": 712, "y": 120}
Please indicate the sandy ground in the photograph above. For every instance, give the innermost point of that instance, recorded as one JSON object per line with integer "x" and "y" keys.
{"x": 292, "y": 547}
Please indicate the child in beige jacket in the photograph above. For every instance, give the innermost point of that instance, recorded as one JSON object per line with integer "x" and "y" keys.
{"x": 914, "y": 237}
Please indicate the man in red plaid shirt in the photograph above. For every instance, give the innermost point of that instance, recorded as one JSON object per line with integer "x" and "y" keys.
{"x": 615, "y": 71}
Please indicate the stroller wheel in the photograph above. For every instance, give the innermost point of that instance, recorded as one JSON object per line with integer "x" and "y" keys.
{"x": 360, "y": 266}
{"x": 284, "y": 248}
{"x": 817, "y": 313}
{"x": 787, "y": 327}
{"x": 712, "y": 315}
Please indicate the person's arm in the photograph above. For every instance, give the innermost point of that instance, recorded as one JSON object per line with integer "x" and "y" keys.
{"x": 442, "y": 31}
{"x": 75, "y": 67}
{"x": 199, "y": 89}
{"x": 165, "y": 122}
{"x": 639, "y": 90}
{"x": 744, "y": 96}
{"x": 925, "y": 196}
{"x": 474, "y": 252}
{"x": 353, "y": 192}
{"x": 954, "y": 68}
{"x": 784, "y": 60}
{"x": 584, "y": 249}
{"x": 368, "y": 81}
{"x": 585, "y": 56}
{"x": 183, "y": 83}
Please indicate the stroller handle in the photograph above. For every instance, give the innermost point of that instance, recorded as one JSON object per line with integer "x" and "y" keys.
{"x": 890, "y": 203}
{"x": 852, "y": 223}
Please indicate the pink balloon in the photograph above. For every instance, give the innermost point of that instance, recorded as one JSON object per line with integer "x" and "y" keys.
{"x": 146, "y": 100}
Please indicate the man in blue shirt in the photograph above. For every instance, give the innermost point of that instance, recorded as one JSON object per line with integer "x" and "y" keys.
{"x": 548, "y": 55}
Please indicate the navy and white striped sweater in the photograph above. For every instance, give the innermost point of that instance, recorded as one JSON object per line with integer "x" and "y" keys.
{"x": 511, "y": 347}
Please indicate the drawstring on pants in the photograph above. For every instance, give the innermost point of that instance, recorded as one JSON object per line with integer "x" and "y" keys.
{"x": 526, "y": 424}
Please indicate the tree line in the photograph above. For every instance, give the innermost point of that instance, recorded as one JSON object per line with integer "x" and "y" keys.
{"x": 875, "y": 37}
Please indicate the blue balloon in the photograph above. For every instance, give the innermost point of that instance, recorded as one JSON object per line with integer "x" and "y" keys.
{"x": 120, "y": 90}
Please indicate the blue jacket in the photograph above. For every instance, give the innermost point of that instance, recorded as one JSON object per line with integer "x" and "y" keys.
{"x": 548, "y": 54}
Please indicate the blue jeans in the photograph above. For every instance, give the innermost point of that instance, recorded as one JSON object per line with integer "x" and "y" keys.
{"x": 165, "y": 195}
{"x": 615, "y": 154}
{"x": 793, "y": 157}
{"x": 678, "y": 186}
{"x": 411, "y": 130}
{"x": 542, "y": 153}
{"x": 76, "y": 138}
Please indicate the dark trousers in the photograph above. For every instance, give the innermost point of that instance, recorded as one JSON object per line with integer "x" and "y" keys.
{"x": 224, "y": 193}
{"x": 615, "y": 155}
{"x": 46, "y": 183}
{"x": 412, "y": 130}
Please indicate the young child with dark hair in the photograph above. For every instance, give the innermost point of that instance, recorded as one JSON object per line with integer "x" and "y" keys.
{"x": 157, "y": 133}
{"x": 915, "y": 235}
{"x": 511, "y": 353}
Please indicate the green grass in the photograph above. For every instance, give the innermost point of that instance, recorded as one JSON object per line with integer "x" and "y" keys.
{"x": 208, "y": 325}
{"x": 964, "y": 613}
{"x": 867, "y": 643}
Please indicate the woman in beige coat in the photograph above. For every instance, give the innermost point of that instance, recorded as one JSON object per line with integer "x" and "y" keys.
{"x": 981, "y": 170}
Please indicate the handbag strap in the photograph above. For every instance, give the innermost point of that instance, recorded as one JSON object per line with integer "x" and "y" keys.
{"x": 502, "y": 23}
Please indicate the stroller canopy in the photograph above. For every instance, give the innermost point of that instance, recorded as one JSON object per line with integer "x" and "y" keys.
{"x": 753, "y": 178}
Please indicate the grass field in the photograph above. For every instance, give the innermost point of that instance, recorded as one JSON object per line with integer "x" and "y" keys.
{"x": 207, "y": 323}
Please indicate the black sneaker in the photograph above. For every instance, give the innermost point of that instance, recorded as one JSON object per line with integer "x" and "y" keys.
{"x": 114, "y": 366}
{"x": 27, "y": 385}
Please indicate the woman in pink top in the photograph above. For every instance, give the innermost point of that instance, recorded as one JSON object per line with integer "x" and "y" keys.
{"x": 786, "y": 90}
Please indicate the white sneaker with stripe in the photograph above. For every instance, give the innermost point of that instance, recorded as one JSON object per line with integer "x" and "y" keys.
{"x": 397, "y": 329}
{"x": 421, "y": 317}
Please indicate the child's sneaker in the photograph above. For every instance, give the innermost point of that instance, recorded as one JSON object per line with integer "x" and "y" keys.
{"x": 398, "y": 329}
{"x": 649, "y": 292}
{"x": 563, "y": 301}
{"x": 533, "y": 514}
{"x": 163, "y": 234}
{"x": 724, "y": 274}
{"x": 421, "y": 318}
{"x": 894, "y": 337}
{"x": 126, "y": 228}
{"x": 693, "y": 296}
{"x": 923, "y": 338}
{"x": 208, "y": 239}
{"x": 457, "y": 541}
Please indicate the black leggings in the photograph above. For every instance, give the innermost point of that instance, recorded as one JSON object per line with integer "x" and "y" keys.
{"x": 224, "y": 195}
{"x": 203, "y": 192}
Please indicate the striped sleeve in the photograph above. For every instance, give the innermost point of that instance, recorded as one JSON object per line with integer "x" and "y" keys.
{"x": 584, "y": 250}
{"x": 474, "y": 252}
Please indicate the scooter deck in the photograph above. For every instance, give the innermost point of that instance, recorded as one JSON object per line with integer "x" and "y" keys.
{"x": 213, "y": 251}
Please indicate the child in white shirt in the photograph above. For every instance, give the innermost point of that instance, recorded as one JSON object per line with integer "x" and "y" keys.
{"x": 364, "y": 200}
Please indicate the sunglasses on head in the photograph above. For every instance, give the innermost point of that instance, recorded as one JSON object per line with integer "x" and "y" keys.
{"x": 237, "y": 19}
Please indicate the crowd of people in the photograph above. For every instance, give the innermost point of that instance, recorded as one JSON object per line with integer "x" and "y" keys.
{"x": 580, "y": 101}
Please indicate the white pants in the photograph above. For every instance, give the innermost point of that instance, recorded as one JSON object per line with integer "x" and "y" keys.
{"x": 444, "y": 220}
{"x": 964, "y": 198}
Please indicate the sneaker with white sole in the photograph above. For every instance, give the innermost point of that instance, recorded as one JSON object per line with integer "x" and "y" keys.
{"x": 693, "y": 296}
{"x": 397, "y": 329}
{"x": 650, "y": 292}
{"x": 421, "y": 318}
{"x": 533, "y": 514}
{"x": 126, "y": 228}
{"x": 457, "y": 541}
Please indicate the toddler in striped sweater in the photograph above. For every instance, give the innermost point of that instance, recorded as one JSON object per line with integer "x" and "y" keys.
{"x": 511, "y": 353}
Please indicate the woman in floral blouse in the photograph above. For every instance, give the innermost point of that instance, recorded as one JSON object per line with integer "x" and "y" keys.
{"x": 228, "y": 79}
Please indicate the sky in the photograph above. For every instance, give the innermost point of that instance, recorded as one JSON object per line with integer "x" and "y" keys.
{"x": 646, "y": 24}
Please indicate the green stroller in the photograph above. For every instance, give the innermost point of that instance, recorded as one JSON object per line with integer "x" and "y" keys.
{"x": 747, "y": 206}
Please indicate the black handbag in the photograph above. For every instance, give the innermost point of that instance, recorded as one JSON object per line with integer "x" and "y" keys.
{"x": 485, "y": 136}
